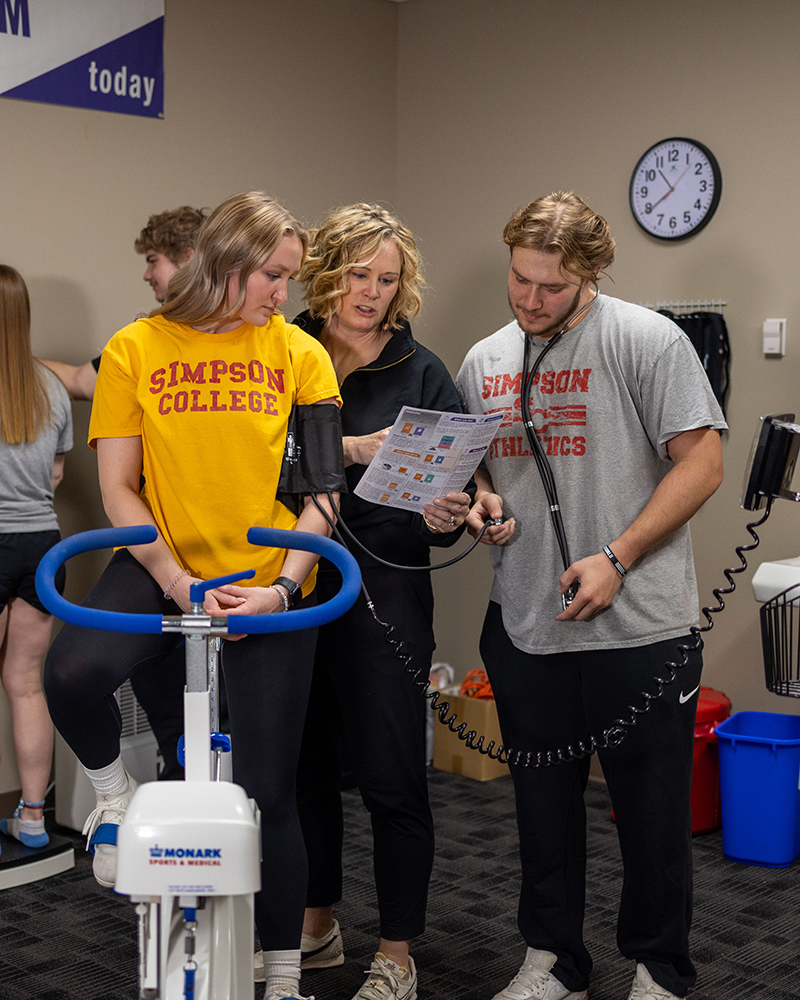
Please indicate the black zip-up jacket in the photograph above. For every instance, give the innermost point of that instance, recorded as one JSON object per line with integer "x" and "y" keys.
{"x": 404, "y": 374}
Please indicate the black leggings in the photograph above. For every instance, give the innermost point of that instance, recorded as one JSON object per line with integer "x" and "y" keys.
{"x": 267, "y": 679}
{"x": 359, "y": 684}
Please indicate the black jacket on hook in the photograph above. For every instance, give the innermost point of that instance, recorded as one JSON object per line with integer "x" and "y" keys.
{"x": 709, "y": 334}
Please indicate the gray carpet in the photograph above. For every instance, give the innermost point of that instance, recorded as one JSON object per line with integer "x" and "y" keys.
{"x": 67, "y": 939}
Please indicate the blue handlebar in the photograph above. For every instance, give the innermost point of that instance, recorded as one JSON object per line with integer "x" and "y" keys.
{"x": 117, "y": 621}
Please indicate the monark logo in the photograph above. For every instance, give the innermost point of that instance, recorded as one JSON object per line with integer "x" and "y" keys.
{"x": 185, "y": 852}
{"x": 13, "y": 16}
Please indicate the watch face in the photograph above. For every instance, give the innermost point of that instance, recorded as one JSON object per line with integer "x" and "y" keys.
{"x": 675, "y": 188}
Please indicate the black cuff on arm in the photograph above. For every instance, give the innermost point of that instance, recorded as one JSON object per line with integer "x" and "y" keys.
{"x": 313, "y": 460}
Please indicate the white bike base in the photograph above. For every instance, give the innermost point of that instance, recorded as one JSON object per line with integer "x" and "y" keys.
{"x": 192, "y": 844}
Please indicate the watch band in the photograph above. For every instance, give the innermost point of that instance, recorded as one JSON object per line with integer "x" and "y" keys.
{"x": 293, "y": 590}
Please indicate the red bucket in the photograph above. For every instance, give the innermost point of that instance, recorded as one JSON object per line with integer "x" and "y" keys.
{"x": 713, "y": 707}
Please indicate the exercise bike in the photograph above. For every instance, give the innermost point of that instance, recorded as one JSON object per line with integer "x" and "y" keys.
{"x": 188, "y": 853}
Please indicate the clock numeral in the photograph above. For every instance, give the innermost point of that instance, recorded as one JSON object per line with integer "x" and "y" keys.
{"x": 648, "y": 208}
{"x": 703, "y": 186}
{"x": 698, "y": 169}
{"x": 660, "y": 219}
{"x": 687, "y": 218}
{"x": 650, "y": 175}
{"x": 643, "y": 192}
{"x": 673, "y": 222}
{"x": 659, "y": 161}
{"x": 673, "y": 156}
{"x": 697, "y": 205}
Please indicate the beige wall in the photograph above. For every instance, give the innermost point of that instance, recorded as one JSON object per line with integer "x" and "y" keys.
{"x": 453, "y": 112}
{"x": 501, "y": 102}
{"x": 295, "y": 97}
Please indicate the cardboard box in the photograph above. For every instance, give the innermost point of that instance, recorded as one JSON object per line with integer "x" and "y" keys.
{"x": 452, "y": 754}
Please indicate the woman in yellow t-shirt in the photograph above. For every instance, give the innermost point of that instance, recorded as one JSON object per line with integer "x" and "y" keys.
{"x": 197, "y": 399}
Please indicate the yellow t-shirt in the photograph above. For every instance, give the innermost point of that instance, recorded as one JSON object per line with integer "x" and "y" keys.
{"x": 212, "y": 412}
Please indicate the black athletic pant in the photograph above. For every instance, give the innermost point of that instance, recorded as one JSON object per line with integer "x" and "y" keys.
{"x": 359, "y": 684}
{"x": 267, "y": 678}
{"x": 547, "y": 702}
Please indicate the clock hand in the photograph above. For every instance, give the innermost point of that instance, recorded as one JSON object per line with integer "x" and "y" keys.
{"x": 667, "y": 182}
{"x": 663, "y": 196}
{"x": 677, "y": 182}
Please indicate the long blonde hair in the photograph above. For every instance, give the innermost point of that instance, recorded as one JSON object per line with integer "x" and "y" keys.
{"x": 24, "y": 403}
{"x": 238, "y": 236}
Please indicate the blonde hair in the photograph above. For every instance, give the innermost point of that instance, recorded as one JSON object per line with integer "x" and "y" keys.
{"x": 238, "y": 236}
{"x": 563, "y": 223}
{"x": 352, "y": 236}
{"x": 24, "y": 403}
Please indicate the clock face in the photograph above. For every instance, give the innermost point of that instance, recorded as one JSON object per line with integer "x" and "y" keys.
{"x": 675, "y": 188}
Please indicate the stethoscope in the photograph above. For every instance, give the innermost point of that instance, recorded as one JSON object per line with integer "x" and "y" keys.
{"x": 545, "y": 472}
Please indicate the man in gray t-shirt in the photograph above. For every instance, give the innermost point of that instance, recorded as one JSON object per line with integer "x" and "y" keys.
{"x": 609, "y": 444}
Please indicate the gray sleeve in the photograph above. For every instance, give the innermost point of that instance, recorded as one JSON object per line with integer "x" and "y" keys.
{"x": 677, "y": 396}
{"x": 62, "y": 412}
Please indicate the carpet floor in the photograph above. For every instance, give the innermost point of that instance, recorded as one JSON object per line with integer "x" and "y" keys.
{"x": 65, "y": 938}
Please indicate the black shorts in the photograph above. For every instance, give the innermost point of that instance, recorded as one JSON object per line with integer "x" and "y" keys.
{"x": 20, "y": 554}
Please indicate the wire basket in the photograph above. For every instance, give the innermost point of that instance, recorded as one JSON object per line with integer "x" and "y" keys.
{"x": 780, "y": 638}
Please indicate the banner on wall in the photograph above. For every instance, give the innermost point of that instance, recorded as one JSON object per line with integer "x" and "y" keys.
{"x": 102, "y": 54}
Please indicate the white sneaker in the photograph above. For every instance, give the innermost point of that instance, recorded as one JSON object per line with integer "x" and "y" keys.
{"x": 535, "y": 981}
{"x": 316, "y": 953}
{"x": 645, "y": 989}
{"x": 281, "y": 994}
{"x": 385, "y": 980}
{"x": 322, "y": 953}
{"x": 109, "y": 811}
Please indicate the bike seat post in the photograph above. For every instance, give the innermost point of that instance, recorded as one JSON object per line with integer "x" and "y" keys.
{"x": 197, "y": 699}
{"x": 214, "y": 645}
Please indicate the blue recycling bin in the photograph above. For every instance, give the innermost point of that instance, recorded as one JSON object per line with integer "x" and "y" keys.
{"x": 759, "y": 770}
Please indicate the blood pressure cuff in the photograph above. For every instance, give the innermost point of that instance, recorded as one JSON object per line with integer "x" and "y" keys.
{"x": 313, "y": 460}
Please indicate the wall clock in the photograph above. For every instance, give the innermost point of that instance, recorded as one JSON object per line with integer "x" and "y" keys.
{"x": 675, "y": 188}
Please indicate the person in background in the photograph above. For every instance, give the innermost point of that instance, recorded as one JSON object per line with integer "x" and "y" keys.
{"x": 223, "y": 310}
{"x": 362, "y": 282}
{"x": 167, "y": 241}
{"x": 35, "y": 434}
{"x": 623, "y": 408}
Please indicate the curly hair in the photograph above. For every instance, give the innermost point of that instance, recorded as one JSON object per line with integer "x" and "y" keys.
{"x": 351, "y": 236}
{"x": 171, "y": 233}
{"x": 563, "y": 223}
{"x": 238, "y": 236}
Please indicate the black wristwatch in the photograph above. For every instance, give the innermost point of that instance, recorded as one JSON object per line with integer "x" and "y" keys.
{"x": 294, "y": 590}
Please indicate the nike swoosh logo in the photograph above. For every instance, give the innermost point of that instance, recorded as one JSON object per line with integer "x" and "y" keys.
{"x": 685, "y": 697}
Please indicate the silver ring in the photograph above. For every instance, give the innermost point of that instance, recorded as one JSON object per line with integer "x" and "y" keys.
{"x": 452, "y": 520}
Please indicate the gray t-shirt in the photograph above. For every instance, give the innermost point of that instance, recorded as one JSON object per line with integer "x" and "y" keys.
{"x": 26, "y": 490}
{"x": 609, "y": 397}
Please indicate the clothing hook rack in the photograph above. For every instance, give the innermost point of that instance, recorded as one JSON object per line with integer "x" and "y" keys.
{"x": 698, "y": 305}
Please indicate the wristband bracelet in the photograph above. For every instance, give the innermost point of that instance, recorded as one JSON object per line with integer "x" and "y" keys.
{"x": 283, "y": 596}
{"x": 168, "y": 592}
{"x": 615, "y": 562}
{"x": 294, "y": 591}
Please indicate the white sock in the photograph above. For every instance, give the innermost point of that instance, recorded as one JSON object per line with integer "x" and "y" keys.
{"x": 282, "y": 970}
{"x": 109, "y": 780}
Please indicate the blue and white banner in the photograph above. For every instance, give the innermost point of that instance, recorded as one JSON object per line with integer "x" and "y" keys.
{"x": 101, "y": 54}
